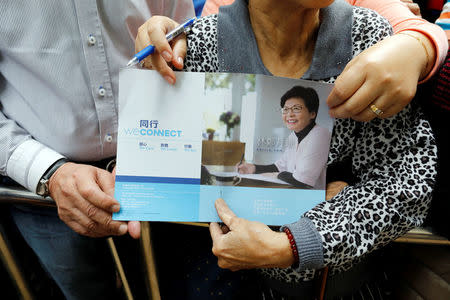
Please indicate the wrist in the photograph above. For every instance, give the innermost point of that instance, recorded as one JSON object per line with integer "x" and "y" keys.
{"x": 283, "y": 254}
{"x": 425, "y": 46}
{"x": 43, "y": 188}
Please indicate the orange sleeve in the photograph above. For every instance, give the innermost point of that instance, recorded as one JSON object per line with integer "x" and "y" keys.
{"x": 401, "y": 19}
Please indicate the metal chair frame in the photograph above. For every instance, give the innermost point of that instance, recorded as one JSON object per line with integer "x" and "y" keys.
{"x": 18, "y": 195}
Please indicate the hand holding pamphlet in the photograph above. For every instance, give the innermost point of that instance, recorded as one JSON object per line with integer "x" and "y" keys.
{"x": 171, "y": 168}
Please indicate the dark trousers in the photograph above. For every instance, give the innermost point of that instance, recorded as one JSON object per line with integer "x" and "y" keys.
{"x": 187, "y": 269}
{"x": 82, "y": 267}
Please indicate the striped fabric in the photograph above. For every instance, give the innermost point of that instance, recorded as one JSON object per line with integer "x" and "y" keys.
{"x": 444, "y": 19}
{"x": 441, "y": 89}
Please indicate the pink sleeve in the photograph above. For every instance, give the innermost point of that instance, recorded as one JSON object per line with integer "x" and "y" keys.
{"x": 401, "y": 19}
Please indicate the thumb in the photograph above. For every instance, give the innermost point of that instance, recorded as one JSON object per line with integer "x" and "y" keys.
{"x": 225, "y": 213}
{"x": 134, "y": 229}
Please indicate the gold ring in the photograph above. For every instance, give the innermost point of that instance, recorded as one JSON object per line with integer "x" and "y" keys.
{"x": 376, "y": 110}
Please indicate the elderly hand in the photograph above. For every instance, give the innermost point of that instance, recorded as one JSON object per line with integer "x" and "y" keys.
{"x": 246, "y": 244}
{"x": 134, "y": 227}
{"x": 154, "y": 32}
{"x": 384, "y": 75}
{"x": 84, "y": 197}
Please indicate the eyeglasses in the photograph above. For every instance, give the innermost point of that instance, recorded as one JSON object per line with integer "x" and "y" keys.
{"x": 296, "y": 109}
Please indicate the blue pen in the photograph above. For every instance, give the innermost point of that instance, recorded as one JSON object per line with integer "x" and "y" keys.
{"x": 138, "y": 57}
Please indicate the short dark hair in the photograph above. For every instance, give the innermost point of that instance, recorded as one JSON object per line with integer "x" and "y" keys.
{"x": 308, "y": 95}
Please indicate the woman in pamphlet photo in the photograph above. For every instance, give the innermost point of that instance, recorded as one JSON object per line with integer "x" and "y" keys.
{"x": 303, "y": 162}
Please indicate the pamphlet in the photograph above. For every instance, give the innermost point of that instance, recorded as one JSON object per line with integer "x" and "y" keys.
{"x": 259, "y": 142}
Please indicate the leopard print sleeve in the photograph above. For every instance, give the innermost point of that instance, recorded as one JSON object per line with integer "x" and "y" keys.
{"x": 201, "y": 55}
{"x": 394, "y": 160}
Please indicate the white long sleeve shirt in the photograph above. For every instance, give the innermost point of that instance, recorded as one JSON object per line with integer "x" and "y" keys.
{"x": 307, "y": 160}
{"x": 59, "y": 67}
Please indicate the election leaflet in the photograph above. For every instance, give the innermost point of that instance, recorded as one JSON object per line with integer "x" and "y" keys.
{"x": 259, "y": 142}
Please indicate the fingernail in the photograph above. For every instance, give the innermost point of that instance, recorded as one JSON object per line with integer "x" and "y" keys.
{"x": 169, "y": 79}
{"x": 123, "y": 229}
{"x": 116, "y": 208}
{"x": 166, "y": 55}
{"x": 180, "y": 60}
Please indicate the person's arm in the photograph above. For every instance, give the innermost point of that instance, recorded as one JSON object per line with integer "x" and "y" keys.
{"x": 22, "y": 158}
{"x": 289, "y": 178}
{"x": 266, "y": 169}
{"x": 244, "y": 244}
{"x": 402, "y": 19}
{"x": 394, "y": 161}
{"x": 386, "y": 74}
{"x": 83, "y": 194}
{"x": 391, "y": 197}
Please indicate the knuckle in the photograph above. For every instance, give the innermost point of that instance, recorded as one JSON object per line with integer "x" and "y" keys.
{"x": 87, "y": 192}
{"x": 359, "y": 108}
{"x": 64, "y": 208}
{"x": 151, "y": 29}
{"x": 348, "y": 110}
{"x": 91, "y": 226}
{"x": 78, "y": 229}
{"x": 107, "y": 221}
{"x": 65, "y": 189}
{"x": 156, "y": 20}
{"x": 352, "y": 110}
{"x": 405, "y": 95}
{"x": 84, "y": 231}
{"x": 339, "y": 92}
{"x": 62, "y": 212}
{"x": 387, "y": 79}
{"x": 142, "y": 28}
{"x": 234, "y": 221}
{"x": 91, "y": 211}
{"x": 76, "y": 175}
{"x": 215, "y": 250}
{"x": 222, "y": 264}
{"x": 372, "y": 63}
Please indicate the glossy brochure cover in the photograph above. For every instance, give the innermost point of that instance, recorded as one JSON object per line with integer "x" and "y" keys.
{"x": 259, "y": 142}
